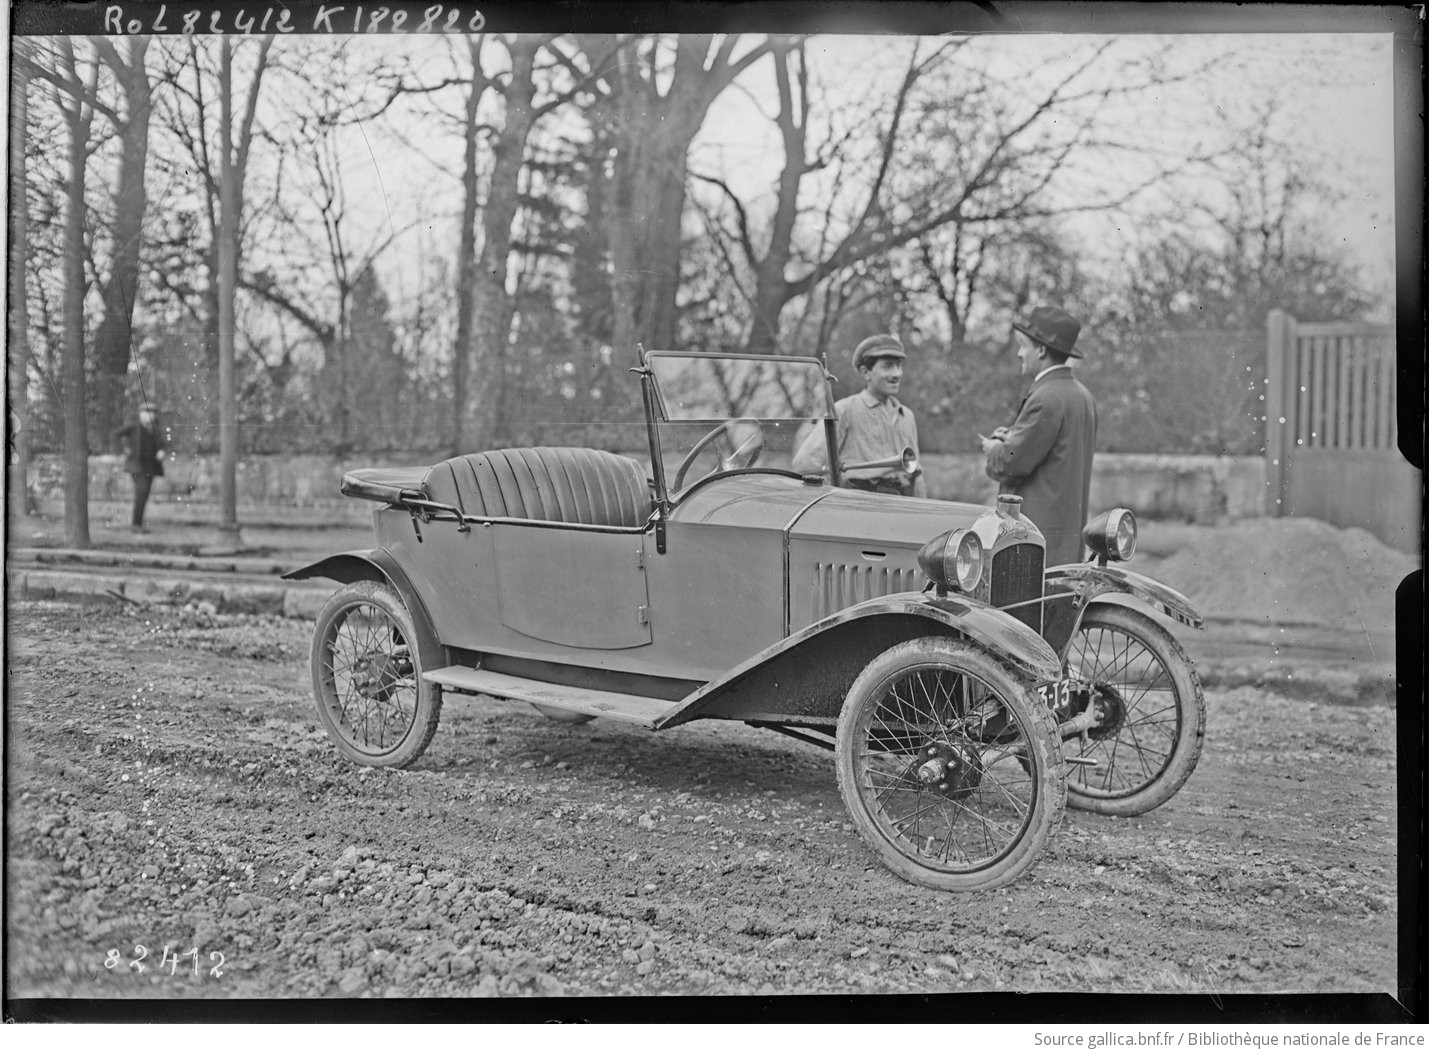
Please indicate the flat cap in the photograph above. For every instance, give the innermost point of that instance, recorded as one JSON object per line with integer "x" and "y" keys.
{"x": 879, "y": 346}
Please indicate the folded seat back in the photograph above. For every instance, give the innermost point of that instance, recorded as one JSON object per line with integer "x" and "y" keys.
{"x": 557, "y": 484}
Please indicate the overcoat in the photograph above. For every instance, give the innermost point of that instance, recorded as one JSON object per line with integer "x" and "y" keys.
{"x": 141, "y": 449}
{"x": 1046, "y": 459}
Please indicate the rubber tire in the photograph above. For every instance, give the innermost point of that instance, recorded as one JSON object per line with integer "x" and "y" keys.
{"x": 1031, "y": 713}
{"x": 565, "y": 717}
{"x": 428, "y": 710}
{"x": 1190, "y": 713}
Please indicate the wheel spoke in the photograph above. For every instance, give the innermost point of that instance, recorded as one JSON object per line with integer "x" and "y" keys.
{"x": 1138, "y": 691}
{"x": 372, "y": 704}
{"x": 984, "y": 814}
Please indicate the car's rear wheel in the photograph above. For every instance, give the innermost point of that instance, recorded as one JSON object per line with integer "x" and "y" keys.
{"x": 1153, "y": 713}
{"x": 949, "y": 765}
{"x": 367, "y": 677}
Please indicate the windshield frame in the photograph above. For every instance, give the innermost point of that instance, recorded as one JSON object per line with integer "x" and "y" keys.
{"x": 735, "y": 356}
{"x": 658, "y": 413}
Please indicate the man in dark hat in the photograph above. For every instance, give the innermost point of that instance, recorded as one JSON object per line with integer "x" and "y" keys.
{"x": 872, "y": 424}
{"x": 143, "y": 447}
{"x": 1045, "y": 456}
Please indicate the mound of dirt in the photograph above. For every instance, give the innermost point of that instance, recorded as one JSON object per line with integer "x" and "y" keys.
{"x": 1290, "y": 571}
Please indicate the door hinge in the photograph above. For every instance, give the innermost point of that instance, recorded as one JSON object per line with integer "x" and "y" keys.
{"x": 640, "y": 556}
{"x": 642, "y": 615}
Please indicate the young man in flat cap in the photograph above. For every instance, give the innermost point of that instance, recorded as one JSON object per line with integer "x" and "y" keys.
{"x": 872, "y": 424}
{"x": 1045, "y": 456}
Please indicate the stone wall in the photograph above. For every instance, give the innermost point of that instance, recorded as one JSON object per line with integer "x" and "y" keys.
{"x": 1190, "y": 488}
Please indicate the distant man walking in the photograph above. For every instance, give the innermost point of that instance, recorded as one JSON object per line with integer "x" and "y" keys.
{"x": 1045, "y": 456}
{"x": 143, "y": 459}
{"x": 872, "y": 424}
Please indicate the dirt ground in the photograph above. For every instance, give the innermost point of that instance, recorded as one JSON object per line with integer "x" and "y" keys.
{"x": 169, "y": 787}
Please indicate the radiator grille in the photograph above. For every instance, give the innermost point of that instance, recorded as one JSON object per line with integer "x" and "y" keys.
{"x": 1017, "y": 576}
{"x": 837, "y": 586}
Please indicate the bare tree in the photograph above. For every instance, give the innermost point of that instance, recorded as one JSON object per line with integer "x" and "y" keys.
{"x": 658, "y": 92}
{"x": 491, "y": 305}
{"x": 113, "y": 338}
{"x": 493, "y": 162}
{"x": 317, "y": 236}
{"x": 18, "y": 363}
{"x": 234, "y": 146}
{"x": 466, "y": 248}
{"x": 947, "y": 155}
{"x": 74, "y": 92}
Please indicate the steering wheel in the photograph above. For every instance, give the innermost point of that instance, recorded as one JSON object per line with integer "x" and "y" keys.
{"x": 744, "y": 438}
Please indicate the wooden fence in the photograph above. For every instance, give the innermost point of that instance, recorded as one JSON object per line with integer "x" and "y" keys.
{"x": 1331, "y": 429}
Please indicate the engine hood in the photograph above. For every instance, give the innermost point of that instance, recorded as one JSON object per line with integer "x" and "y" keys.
{"x": 829, "y": 514}
{"x": 821, "y": 512}
{"x": 882, "y": 519}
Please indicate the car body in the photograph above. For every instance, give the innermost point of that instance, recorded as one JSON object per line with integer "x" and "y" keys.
{"x": 716, "y": 582}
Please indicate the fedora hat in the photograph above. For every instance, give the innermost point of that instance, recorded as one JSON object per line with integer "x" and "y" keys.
{"x": 880, "y": 346}
{"x": 1053, "y": 327}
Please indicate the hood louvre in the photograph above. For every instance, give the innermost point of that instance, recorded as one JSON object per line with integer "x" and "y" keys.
{"x": 837, "y": 586}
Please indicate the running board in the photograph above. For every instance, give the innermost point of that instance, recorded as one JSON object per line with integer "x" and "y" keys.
{"x": 635, "y": 709}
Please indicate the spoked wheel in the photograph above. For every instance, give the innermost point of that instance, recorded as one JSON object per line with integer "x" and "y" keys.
{"x": 367, "y": 677}
{"x": 949, "y": 765}
{"x": 1152, "y": 713}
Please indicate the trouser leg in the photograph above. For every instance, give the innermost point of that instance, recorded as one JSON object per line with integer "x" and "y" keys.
{"x": 142, "y": 483}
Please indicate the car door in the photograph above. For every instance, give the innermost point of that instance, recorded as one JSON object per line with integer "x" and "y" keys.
{"x": 573, "y": 586}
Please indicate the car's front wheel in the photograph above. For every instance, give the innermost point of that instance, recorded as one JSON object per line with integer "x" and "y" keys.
{"x": 1152, "y": 713}
{"x": 950, "y": 765}
{"x": 367, "y": 677}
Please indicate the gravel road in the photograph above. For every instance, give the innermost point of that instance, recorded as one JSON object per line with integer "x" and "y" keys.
{"x": 169, "y": 788}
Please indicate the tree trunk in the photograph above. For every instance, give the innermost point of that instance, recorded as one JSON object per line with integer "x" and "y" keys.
{"x": 491, "y": 304}
{"x": 233, "y": 165}
{"x": 643, "y": 223}
{"x": 770, "y": 283}
{"x": 654, "y": 116}
{"x": 76, "y": 417}
{"x": 227, "y": 290}
{"x": 113, "y": 342}
{"x": 18, "y": 495}
{"x": 463, "y": 351}
{"x": 343, "y": 344}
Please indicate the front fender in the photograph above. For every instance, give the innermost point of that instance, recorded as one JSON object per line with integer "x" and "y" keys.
{"x": 1093, "y": 581}
{"x": 804, "y": 677}
{"x": 378, "y": 565}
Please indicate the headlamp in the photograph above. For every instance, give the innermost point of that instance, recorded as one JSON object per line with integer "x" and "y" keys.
{"x": 953, "y": 560}
{"x": 1111, "y": 535}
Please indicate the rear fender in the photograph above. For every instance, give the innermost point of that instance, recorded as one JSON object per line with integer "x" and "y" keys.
{"x": 378, "y": 565}
{"x": 804, "y": 678}
{"x": 1092, "y": 581}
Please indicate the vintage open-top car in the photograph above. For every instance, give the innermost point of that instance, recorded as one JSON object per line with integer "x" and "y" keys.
{"x": 966, "y": 690}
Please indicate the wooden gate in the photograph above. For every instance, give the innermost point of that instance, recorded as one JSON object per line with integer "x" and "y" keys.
{"x": 1331, "y": 441}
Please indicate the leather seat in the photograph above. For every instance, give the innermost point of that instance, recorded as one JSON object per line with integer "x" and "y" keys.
{"x": 558, "y": 484}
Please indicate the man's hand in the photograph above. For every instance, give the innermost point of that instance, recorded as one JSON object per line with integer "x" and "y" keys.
{"x": 999, "y": 434}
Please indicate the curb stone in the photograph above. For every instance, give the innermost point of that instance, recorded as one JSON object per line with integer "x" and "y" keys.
{"x": 226, "y": 597}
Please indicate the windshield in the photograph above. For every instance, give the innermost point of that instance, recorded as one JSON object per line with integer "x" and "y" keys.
{"x": 723, "y": 387}
{"x": 721, "y": 412}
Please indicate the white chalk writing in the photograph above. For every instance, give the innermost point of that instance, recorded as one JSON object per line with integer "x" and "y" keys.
{"x": 220, "y": 16}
